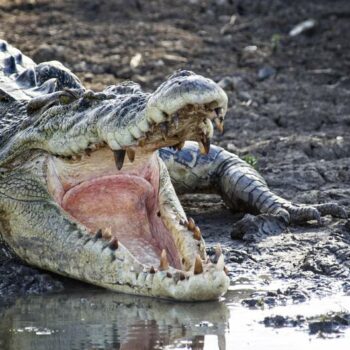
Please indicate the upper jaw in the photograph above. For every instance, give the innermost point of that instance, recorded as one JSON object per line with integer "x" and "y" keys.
{"x": 166, "y": 117}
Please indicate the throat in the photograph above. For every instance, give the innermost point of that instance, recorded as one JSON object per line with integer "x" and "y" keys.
{"x": 122, "y": 206}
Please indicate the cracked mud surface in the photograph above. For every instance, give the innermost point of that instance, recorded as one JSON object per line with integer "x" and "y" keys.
{"x": 295, "y": 121}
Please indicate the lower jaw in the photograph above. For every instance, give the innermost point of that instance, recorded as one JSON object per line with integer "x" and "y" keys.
{"x": 98, "y": 262}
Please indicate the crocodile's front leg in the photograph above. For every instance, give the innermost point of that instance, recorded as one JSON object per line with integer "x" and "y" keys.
{"x": 242, "y": 188}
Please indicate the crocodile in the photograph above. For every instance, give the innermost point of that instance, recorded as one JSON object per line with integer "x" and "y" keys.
{"x": 89, "y": 180}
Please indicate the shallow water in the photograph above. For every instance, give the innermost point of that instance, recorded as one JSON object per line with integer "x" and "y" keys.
{"x": 96, "y": 319}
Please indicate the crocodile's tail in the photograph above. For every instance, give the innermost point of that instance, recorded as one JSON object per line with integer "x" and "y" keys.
{"x": 22, "y": 79}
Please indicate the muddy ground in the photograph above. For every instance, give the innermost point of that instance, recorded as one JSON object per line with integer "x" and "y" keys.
{"x": 289, "y": 109}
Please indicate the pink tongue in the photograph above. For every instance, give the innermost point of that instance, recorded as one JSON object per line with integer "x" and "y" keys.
{"x": 122, "y": 203}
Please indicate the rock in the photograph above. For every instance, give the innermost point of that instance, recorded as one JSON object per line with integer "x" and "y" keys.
{"x": 279, "y": 321}
{"x": 226, "y": 83}
{"x": 48, "y": 53}
{"x": 221, "y": 3}
{"x": 324, "y": 327}
{"x": 244, "y": 96}
{"x": 136, "y": 60}
{"x": 303, "y": 27}
{"x": 250, "y": 302}
{"x": 266, "y": 72}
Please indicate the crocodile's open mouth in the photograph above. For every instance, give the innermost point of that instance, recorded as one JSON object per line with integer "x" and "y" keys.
{"x": 120, "y": 203}
{"x": 130, "y": 200}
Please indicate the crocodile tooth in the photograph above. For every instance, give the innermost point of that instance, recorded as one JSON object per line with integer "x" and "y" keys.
{"x": 180, "y": 146}
{"x": 183, "y": 222}
{"x": 219, "y": 124}
{"x": 221, "y": 263}
{"x": 113, "y": 244}
{"x": 219, "y": 111}
{"x": 98, "y": 235}
{"x": 198, "y": 266}
{"x": 164, "y": 129}
{"x": 206, "y": 144}
{"x": 218, "y": 250}
{"x": 119, "y": 157}
{"x": 201, "y": 147}
{"x": 226, "y": 270}
{"x": 175, "y": 120}
{"x": 131, "y": 154}
{"x": 164, "y": 263}
{"x": 191, "y": 224}
{"x": 107, "y": 233}
{"x": 197, "y": 233}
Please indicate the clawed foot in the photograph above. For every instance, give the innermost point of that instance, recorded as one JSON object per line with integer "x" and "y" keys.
{"x": 300, "y": 213}
{"x": 252, "y": 228}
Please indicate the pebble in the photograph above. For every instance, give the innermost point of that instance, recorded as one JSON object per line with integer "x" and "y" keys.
{"x": 226, "y": 83}
{"x": 244, "y": 96}
{"x": 46, "y": 53}
{"x": 266, "y": 72}
{"x": 303, "y": 27}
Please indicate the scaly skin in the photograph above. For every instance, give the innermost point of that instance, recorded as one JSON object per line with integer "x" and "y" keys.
{"x": 49, "y": 124}
{"x": 242, "y": 189}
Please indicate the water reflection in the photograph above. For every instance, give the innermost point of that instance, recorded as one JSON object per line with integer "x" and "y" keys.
{"x": 102, "y": 320}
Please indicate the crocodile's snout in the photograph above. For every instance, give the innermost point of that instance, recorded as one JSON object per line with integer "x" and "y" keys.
{"x": 186, "y": 88}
